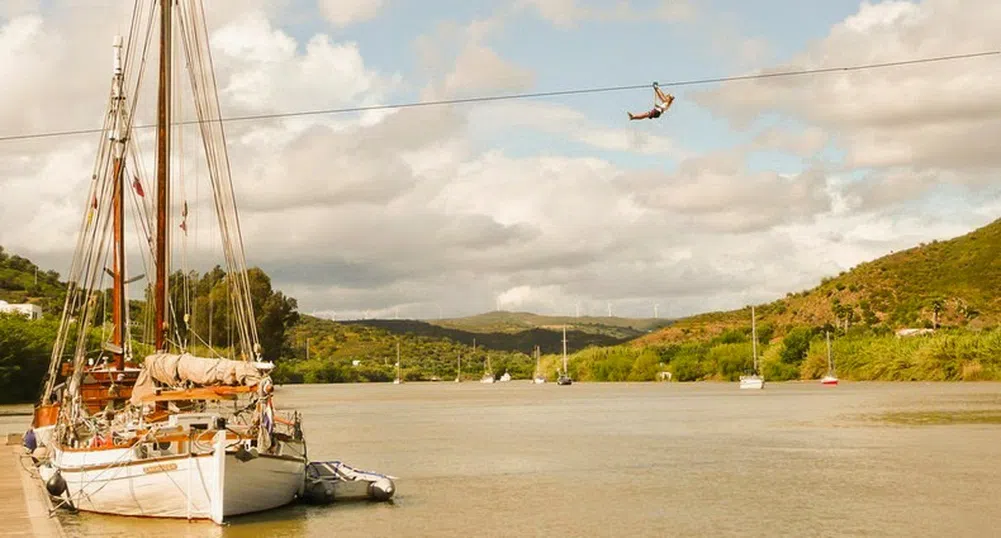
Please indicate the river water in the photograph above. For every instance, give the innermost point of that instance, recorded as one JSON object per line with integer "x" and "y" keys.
{"x": 653, "y": 459}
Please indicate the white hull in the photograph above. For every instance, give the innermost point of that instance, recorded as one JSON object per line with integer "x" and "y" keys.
{"x": 539, "y": 380}
{"x": 752, "y": 382}
{"x": 829, "y": 380}
{"x": 212, "y": 486}
{"x": 487, "y": 379}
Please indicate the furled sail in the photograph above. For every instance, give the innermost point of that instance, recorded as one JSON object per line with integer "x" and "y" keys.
{"x": 174, "y": 370}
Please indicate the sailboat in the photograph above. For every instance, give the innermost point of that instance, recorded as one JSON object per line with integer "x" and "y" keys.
{"x": 399, "y": 379}
{"x": 488, "y": 373}
{"x": 181, "y": 436}
{"x": 564, "y": 377}
{"x": 458, "y": 367}
{"x": 830, "y": 378}
{"x": 754, "y": 380}
{"x": 538, "y": 379}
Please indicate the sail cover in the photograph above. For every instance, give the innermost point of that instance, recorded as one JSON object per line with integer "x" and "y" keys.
{"x": 174, "y": 370}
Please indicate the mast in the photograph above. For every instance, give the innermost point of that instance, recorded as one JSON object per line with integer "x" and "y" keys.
{"x": 162, "y": 176}
{"x": 754, "y": 340}
{"x": 830, "y": 365}
{"x": 398, "y": 360}
{"x": 118, "y": 298}
{"x": 564, "y": 350}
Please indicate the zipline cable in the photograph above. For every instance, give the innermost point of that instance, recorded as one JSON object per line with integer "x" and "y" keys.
{"x": 534, "y": 95}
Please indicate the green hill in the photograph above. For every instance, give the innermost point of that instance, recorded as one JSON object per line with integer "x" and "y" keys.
{"x": 513, "y": 322}
{"x": 21, "y": 281}
{"x": 426, "y": 351}
{"x": 943, "y": 284}
{"x": 549, "y": 339}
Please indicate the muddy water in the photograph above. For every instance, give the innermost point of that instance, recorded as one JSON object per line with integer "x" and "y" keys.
{"x": 515, "y": 459}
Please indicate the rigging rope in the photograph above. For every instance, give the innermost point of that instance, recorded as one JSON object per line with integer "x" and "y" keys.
{"x": 534, "y": 95}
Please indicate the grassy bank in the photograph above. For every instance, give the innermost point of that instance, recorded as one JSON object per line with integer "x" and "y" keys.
{"x": 954, "y": 355}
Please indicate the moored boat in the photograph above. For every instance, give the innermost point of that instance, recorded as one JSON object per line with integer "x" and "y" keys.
{"x": 179, "y": 436}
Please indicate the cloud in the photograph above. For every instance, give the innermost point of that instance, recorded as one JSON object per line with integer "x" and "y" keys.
{"x": 459, "y": 207}
{"x": 567, "y": 13}
{"x": 935, "y": 115}
{"x": 719, "y": 193}
{"x": 346, "y": 12}
{"x": 556, "y": 119}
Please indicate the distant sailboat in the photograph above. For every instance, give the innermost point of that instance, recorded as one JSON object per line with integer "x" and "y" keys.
{"x": 458, "y": 368}
{"x": 399, "y": 379}
{"x": 539, "y": 378}
{"x": 488, "y": 373}
{"x": 564, "y": 378}
{"x": 506, "y": 377}
{"x": 830, "y": 378}
{"x": 753, "y": 381}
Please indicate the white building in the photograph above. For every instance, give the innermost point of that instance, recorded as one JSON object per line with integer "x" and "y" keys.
{"x": 32, "y": 311}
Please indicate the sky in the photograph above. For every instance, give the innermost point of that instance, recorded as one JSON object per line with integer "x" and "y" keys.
{"x": 743, "y": 191}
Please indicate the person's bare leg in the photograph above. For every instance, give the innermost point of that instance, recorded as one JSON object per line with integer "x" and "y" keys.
{"x": 643, "y": 116}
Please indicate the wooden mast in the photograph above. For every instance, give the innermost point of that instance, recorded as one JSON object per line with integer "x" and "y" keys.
{"x": 118, "y": 293}
{"x": 118, "y": 210}
{"x": 162, "y": 176}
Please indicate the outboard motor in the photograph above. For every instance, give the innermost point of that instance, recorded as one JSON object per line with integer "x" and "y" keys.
{"x": 318, "y": 491}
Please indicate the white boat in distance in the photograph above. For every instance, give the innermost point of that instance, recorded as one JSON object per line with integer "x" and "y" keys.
{"x": 538, "y": 378}
{"x": 753, "y": 381}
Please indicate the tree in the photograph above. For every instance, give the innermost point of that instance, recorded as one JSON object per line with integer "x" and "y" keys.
{"x": 937, "y": 304}
{"x": 795, "y": 345}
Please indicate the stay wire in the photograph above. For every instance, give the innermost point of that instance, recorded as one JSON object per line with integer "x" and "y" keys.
{"x": 531, "y": 95}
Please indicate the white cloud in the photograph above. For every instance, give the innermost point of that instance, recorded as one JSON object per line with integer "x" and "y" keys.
{"x": 567, "y": 13}
{"x": 347, "y": 12}
{"x": 431, "y": 207}
{"x": 937, "y": 115}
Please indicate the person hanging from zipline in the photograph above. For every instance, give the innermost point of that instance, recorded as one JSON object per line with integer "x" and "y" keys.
{"x": 661, "y": 104}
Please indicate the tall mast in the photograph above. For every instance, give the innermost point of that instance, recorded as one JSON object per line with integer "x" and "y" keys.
{"x": 162, "y": 176}
{"x": 754, "y": 340}
{"x": 118, "y": 208}
{"x": 564, "y": 349}
{"x": 830, "y": 370}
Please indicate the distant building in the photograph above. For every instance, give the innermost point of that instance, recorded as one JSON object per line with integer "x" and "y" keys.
{"x": 913, "y": 332}
{"x": 31, "y": 311}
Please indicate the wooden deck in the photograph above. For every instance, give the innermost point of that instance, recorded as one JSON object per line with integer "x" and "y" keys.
{"x": 23, "y": 505}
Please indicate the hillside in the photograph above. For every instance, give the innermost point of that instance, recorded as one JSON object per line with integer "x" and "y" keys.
{"x": 950, "y": 283}
{"x": 21, "y": 281}
{"x": 513, "y": 322}
{"x": 549, "y": 339}
{"x": 335, "y": 345}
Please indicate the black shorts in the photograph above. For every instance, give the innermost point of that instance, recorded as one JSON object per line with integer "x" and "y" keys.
{"x": 655, "y": 113}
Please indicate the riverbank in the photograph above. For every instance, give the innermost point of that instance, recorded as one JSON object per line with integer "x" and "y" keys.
{"x": 24, "y": 508}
